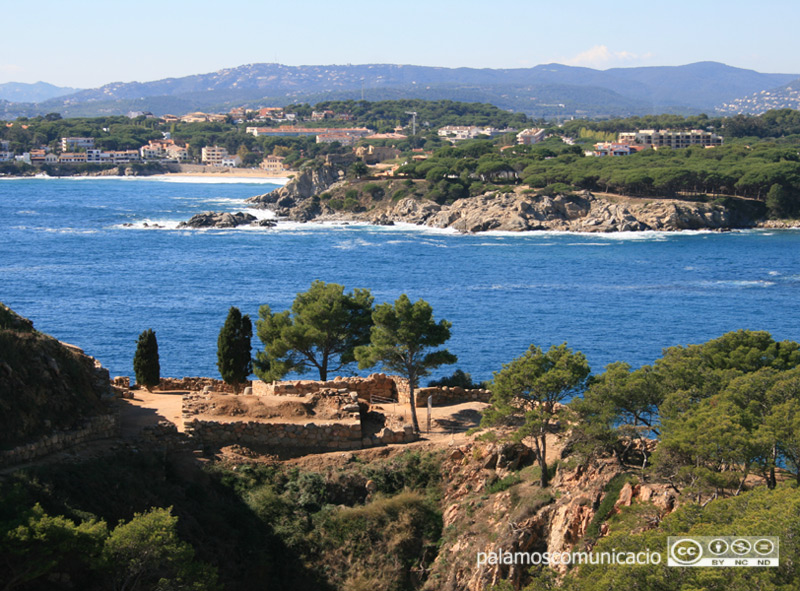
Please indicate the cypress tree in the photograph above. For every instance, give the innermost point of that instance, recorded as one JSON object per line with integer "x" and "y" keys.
{"x": 234, "y": 348}
{"x": 145, "y": 361}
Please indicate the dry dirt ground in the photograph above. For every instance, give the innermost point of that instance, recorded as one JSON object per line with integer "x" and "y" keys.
{"x": 147, "y": 409}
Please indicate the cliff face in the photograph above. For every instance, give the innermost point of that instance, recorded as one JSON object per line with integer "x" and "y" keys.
{"x": 309, "y": 182}
{"x": 45, "y": 385}
{"x": 524, "y": 517}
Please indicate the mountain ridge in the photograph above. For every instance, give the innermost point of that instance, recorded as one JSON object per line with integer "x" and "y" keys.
{"x": 688, "y": 88}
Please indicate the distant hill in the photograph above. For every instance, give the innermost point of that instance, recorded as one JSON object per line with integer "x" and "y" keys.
{"x": 19, "y": 92}
{"x": 784, "y": 97}
{"x": 545, "y": 90}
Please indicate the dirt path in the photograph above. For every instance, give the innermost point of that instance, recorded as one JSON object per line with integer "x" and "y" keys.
{"x": 146, "y": 409}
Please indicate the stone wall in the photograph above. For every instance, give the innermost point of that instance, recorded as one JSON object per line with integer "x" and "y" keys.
{"x": 446, "y": 395}
{"x": 98, "y": 427}
{"x": 311, "y": 436}
{"x": 377, "y": 384}
{"x": 196, "y": 385}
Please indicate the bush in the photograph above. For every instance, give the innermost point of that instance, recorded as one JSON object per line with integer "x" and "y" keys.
{"x": 399, "y": 194}
{"x": 611, "y": 490}
{"x": 504, "y": 484}
{"x": 375, "y": 191}
{"x": 458, "y": 379}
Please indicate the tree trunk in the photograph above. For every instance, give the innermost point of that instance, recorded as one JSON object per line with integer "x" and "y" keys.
{"x": 412, "y": 382}
{"x": 323, "y": 369}
{"x": 413, "y": 405}
{"x": 545, "y": 480}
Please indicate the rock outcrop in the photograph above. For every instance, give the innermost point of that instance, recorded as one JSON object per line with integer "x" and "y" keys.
{"x": 308, "y": 183}
{"x": 513, "y": 212}
{"x": 222, "y": 219}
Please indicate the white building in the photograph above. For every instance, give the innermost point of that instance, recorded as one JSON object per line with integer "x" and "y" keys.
{"x": 231, "y": 161}
{"x": 76, "y": 143}
{"x": 459, "y": 132}
{"x": 529, "y": 137}
{"x": 213, "y": 155}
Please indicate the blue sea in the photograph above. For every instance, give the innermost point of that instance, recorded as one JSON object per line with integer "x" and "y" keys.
{"x": 81, "y": 258}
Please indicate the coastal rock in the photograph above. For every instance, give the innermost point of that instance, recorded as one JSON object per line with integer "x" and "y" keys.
{"x": 219, "y": 219}
{"x": 513, "y": 212}
{"x": 412, "y": 211}
{"x": 311, "y": 181}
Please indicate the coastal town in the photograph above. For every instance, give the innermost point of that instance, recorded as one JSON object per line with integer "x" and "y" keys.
{"x": 358, "y": 141}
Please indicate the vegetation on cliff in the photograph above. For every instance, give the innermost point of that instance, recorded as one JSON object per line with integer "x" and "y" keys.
{"x": 45, "y": 385}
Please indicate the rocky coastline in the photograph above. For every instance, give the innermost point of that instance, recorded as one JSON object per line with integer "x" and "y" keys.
{"x": 311, "y": 197}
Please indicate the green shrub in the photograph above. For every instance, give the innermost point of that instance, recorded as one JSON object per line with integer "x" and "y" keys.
{"x": 375, "y": 191}
{"x": 399, "y": 194}
{"x": 458, "y": 379}
{"x": 336, "y": 204}
{"x": 611, "y": 494}
{"x": 504, "y": 484}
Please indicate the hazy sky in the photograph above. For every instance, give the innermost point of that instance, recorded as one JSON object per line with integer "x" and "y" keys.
{"x": 88, "y": 43}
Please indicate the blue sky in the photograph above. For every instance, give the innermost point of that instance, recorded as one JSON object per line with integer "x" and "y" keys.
{"x": 88, "y": 43}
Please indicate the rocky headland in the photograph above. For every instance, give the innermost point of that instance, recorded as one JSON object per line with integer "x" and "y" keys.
{"x": 321, "y": 194}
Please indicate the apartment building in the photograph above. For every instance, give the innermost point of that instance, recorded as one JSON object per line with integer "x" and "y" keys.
{"x": 529, "y": 137}
{"x": 670, "y": 138}
{"x": 76, "y": 143}
{"x": 213, "y": 155}
{"x": 343, "y": 138}
{"x": 294, "y": 131}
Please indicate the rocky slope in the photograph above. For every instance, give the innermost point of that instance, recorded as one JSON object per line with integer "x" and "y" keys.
{"x": 524, "y": 517}
{"x": 45, "y": 384}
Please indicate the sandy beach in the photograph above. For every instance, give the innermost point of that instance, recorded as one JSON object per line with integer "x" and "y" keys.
{"x": 198, "y": 170}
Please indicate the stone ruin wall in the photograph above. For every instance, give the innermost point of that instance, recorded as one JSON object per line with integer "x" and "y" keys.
{"x": 377, "y": 384}
{"x": 380, "y": 385}
{"x": 311, "y": 436}
{"x": 99, "y": 427}
{"x": 196, "y": 385}
{"x": 445, "y": 395}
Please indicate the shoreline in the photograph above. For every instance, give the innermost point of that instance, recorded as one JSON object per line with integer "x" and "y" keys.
{"x": 210, "y": 177}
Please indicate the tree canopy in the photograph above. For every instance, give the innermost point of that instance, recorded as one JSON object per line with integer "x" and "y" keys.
{"x": 233, "y": 348}
{"x": 145, "y": 361}
{"x": 322, "y": 330}
{"x": 532, "y": 387}
{"x": 401, "y": 340}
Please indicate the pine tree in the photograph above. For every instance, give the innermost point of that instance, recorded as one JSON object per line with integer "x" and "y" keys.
{"x": 233, "y": 348}
{"x": 145, "y": 361}
{"x": 401, "y": 340}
